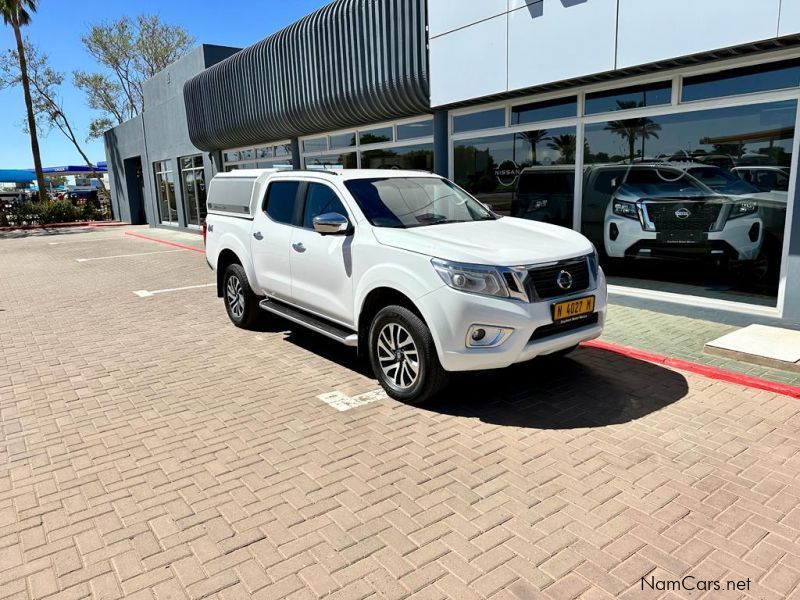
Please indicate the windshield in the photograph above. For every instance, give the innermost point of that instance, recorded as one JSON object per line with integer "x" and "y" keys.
{"x": 656, "y": 181}
{"x": 405, "y": 202}
{"x": 721, "y": 180}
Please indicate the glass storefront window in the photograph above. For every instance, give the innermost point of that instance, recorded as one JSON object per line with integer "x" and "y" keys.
{"x": 410, "y": 131}
{"x": 544, "y": 111}
{"x": 315, "y": 145}
{"x": 653, "y": 94}
{"x": 486, "y": 119}
{"x": 165, "y": 192}
{"x": 342, "y": 140}
{"x": 673, "y": 202}
{"x": 193, "y": 179}
{"x": 528, "y": 174}
{"x": 747, "y": 80}
{"x": 418, "y": 157}
{"x": 375, "y": 136}
{"x": 348, "y": 160}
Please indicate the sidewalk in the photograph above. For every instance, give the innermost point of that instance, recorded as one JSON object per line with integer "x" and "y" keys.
{"x": 680, "y": 337}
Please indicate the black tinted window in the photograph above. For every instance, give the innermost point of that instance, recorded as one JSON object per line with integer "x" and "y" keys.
{"x": 544, "y": 111}
{"x": 653, "y": 94}
{"x": 281, "y": 197}
{"x": 320, "y": 199}
{"x": 747, "y": 80}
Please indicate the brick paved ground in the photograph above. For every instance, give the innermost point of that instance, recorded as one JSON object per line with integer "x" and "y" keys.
{"x": 148, "y": 449}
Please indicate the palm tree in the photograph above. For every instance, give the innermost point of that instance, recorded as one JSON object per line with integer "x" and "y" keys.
{"x": 17, "y": 14}
{"x": 632, "y": 129}
{"x": 565, "y": 144}
{"x": 533, "y": 138}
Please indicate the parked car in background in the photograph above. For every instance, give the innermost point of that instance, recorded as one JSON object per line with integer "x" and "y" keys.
{"x": 545, "y": 194}
{"x": 765, "y": 178}
{"x": 406, "y": 266}
{"x": 661, "y": 210}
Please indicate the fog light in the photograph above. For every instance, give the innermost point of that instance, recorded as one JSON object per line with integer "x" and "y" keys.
{"x": 755, "y": 232}
{"x": 613, "y": 232}
{"x": 487, "y": 336}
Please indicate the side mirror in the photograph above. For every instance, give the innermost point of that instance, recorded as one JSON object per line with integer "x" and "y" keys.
{"x": 331, "y": 224}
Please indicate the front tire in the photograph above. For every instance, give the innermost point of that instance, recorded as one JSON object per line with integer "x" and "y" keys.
{"x": 240, "y": 301}
{"x": 403, "y": 356}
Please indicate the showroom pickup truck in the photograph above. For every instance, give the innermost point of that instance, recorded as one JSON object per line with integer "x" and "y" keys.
{"x": 406, "y": 266}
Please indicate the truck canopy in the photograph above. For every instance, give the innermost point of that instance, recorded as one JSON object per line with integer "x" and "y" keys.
{"x": 236, "y": 194}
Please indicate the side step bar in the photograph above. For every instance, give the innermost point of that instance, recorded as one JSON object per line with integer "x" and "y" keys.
{"x": 326, "y": 328}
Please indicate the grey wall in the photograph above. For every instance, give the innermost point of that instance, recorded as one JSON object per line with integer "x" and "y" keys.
{"x": 123, "y": 142}
{"x": 159, "y": 133}
{"x": 791, "y": 311}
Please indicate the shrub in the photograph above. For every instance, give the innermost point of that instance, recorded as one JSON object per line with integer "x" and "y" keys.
{"x": 58, "y": 211}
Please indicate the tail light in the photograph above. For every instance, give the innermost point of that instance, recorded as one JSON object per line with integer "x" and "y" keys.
{"x": 205, "y": 228}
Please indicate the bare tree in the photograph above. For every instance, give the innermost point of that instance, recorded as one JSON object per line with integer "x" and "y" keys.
{"x": 17, "y": 14}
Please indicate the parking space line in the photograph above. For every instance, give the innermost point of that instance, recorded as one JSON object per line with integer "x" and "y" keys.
{"x": 151, "y": 293}
{"x": 127, "y": 255}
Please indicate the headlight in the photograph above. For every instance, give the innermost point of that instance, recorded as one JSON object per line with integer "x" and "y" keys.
{"x": 474, "y": 279}
{"x": 626, "y": 209}
{"x": 742, "y": 208}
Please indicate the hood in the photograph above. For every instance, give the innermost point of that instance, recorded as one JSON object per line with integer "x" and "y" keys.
{"x": 505, "y": 242}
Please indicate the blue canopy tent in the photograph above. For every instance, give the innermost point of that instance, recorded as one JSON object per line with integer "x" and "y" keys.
{"x": 16, "y": 176}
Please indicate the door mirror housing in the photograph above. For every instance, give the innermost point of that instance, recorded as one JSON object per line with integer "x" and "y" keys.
{"x": 331, "y": 224}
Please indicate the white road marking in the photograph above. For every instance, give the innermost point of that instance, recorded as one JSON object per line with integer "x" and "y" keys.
{"x": 342, "y": 402}
{"x": 100, "y": 239}
{"x": 151, "y": 293}
{"x": 127, "y": 255}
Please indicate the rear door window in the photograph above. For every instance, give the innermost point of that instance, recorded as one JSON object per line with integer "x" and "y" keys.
{"x": 281, "y": 201}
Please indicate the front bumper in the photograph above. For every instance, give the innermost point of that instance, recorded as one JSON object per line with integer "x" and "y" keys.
{"x": 450, "y": 313}
{"x": 630, "y": 240}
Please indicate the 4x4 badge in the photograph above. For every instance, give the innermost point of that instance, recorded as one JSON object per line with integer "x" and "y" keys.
{"x": 564, "y": 280}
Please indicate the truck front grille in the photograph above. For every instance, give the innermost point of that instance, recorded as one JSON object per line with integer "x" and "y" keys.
{"x": 683, "y": 216}
{"x": 545, "y": 279}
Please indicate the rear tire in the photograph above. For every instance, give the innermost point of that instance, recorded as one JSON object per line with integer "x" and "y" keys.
{"x": 240, "y": 301}
{"x": 403, "y": 356}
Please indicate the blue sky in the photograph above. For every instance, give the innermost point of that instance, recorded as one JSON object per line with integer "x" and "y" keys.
{"x": 57, "y": 29}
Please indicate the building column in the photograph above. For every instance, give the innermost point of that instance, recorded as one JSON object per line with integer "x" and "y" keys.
{"x": 297, "y": 162}
{"x": 791, "y": 304}
{"x": 441, "y": 143}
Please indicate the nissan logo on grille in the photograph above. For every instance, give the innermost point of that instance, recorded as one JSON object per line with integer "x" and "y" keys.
{"x": 683, "y": 213}
{"x": 564, "y": 280}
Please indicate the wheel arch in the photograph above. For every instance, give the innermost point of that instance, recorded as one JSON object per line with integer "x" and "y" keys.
{"x": 376, "y": 299}
{"x": 226, "y": 258}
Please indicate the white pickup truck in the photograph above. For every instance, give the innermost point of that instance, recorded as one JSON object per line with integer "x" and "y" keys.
{"x": 404, "y": 265}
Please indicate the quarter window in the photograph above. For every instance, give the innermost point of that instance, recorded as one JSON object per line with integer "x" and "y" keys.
{"x": 281, "y": 199}
{"x": 320, "y": 199}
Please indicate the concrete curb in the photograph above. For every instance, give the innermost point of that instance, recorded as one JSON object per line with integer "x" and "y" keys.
{"x": 699, "y": 369}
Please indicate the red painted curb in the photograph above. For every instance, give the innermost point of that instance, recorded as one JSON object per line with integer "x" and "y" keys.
{"x": 698, "y": 369}
{"x": 165, "y": 242}
{"x": 66, "y": 225}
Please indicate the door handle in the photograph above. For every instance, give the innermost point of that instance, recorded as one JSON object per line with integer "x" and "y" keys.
{"x": 258, "y": 235}
{"x": 298, "y": 246}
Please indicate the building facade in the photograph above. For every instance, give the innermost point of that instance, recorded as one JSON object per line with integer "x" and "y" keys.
{"x": 685, "y": 179}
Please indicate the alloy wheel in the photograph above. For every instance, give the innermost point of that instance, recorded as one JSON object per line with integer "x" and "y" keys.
{"x": 398, "y": 356}
{"x": 235, "y": 296}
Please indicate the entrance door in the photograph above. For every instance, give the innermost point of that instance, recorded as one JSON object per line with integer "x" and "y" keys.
{"x": 134, "y": 181}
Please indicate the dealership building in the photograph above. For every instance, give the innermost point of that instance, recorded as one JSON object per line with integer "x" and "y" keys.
{"x": 685, "y": 179}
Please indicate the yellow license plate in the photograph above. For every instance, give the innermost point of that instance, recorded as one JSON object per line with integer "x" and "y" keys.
{"x": 563, "y": 311}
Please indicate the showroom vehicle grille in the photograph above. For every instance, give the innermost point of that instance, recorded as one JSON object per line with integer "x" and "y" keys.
{"x": 702, "y": 216}
{"x": 546, "y": 331}
{"x": 545, "y": 279}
